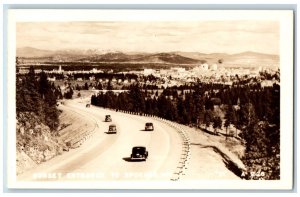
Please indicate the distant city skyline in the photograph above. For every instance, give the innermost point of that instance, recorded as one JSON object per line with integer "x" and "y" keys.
{"x": 205, "y": 37}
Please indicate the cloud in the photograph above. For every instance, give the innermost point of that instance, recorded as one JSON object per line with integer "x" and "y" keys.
{"x": 202, "y": 36}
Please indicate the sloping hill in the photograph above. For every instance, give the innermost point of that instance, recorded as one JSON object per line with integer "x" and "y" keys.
{"x": 33, "y": 52}
{"x": 167, "y": 58}
{"x": 247, "y": 58}
{"x": 113, "y": 57}
{"x": 202, "y": 56}
{"x": 252, "y": 59}
{"x": 142, "y": 58}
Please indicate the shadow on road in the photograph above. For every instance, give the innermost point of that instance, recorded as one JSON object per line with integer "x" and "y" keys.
{"x": 128, "y": 159}
{"x": 109, "y": 133}
{"x": 146, "y": 130}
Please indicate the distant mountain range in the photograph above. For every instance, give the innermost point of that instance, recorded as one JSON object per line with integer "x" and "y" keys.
{"x": 245, "y": 58}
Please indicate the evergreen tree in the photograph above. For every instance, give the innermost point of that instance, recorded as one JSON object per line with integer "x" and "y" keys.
{"x": 37, "y": 96}
{"x": 229, "y": 117}
{"x": 86, "y": 86}
{"x": 109, "y": 86}
{"x": 69, "y": 93}
{"x": 51, "y": 110}
{"x": 99, "y": 86}
{"x": 226, "y": 125}
{"x": 20, "y": 99}
{"x": 208, "y": 117}
{"x": 31, "y": 95}
{"x": 209, "y": 104}
{"x": 77, "y": 87}
{"x": 43, "y": 84}
{"x": 189, "y": 106}
{"x": 94, "y": 100}
{"x": 137, "y": 98}
{"x": 247, "y": 115}
{"x": 181, "y": 110}
{"x": 217, "y": 123}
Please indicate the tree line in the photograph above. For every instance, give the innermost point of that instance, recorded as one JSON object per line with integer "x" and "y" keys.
{"x": 252, "y": 109}
{"x": 34, "y": 93}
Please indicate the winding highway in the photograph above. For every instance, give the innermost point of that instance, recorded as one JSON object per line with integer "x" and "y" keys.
{"x": 105, "y": 157}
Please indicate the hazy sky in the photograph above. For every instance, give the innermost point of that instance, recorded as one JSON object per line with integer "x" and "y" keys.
{"x": 205, "y": 37}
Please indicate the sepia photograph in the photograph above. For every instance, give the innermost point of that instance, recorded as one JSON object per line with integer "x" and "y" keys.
{"x": 156, "y": 99}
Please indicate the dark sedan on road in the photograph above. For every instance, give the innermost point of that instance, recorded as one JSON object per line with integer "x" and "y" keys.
{"x": 139, "y": 153}
{"x": 108, "y": 118}
{"x": 149, "y": 126}
{"x": 112, "y": 129}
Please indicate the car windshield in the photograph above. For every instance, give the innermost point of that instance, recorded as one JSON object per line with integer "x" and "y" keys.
{"x": 148, "y": 124}
{"x": 138, "y": 150}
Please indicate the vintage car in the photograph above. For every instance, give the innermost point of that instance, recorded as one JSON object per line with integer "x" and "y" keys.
{"x": 107, "y": 118}
{"x": 149, "y": 126}
{"x": 112, "y": 129}
{"x": 139, "y": 153}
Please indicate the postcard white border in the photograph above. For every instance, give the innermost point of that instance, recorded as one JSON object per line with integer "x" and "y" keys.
{"x": 286, "y": 70}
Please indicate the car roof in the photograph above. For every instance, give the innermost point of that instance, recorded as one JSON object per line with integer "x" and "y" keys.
{"x": 112, "y": 125}
{"x": 139, "y": 147}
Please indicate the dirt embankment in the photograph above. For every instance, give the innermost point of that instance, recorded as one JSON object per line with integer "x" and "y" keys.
{"x": 74, "y": 127}
{"x": 215, "y": 156}
{"x": 36, "y": 143}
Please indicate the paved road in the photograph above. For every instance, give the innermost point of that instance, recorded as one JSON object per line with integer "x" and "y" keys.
{"x": 105, "y": 156}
